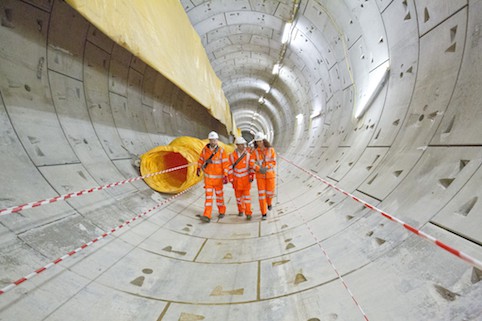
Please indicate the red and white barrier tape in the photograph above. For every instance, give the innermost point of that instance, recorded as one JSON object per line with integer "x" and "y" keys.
{"x": 336, "y": 270}
{"x": 459, "y": 254}
{"x": 18, "y": 208}
{"x": 77, "y": 250}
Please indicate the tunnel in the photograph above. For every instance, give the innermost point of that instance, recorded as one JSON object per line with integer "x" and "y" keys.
{"x": 374, "y": 108}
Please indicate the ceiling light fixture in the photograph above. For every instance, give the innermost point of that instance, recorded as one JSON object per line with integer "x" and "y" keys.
{"x": 316, "y": 114}
{"x": 286, "y": 33}
{"x": 276, "y": 69}
{"x": 377, "y": 80}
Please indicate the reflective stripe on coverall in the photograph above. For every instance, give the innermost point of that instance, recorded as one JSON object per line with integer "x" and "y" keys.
{"x": 213, "y": 178}
{"x": 241, "y": 176}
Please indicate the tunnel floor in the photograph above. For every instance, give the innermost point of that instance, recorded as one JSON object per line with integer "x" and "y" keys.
{"x": 299, "y": 264}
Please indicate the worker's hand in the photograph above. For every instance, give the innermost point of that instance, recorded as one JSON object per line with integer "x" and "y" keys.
{"x": 225, "y": 180}
{"x": 262, "y": 170}
{"x": 198, "y": 172}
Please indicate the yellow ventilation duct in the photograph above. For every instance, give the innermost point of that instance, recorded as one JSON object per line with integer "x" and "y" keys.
{"x": 181, "y": 151}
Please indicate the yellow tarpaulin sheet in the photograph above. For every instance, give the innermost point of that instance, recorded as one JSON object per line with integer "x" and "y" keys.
{"x": 181, "y": 151}
{"x": 159, "y": 32}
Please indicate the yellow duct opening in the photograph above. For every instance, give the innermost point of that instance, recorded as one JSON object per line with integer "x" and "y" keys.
{"x": 181, "y": 151}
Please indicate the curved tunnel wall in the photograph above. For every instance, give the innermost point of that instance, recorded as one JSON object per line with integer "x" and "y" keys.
{"x": 76, "y": 109}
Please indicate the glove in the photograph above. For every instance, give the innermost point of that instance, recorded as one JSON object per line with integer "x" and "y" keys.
{"x": 198, "y": 172}
{"x": 209, "y": 161}
{"x": 225, "y": 180}
{"x": 262, "y": 170}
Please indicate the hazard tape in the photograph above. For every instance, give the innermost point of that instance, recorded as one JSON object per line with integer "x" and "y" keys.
{"x": 77, "y": 250}
{"x": 335, "y": 269}
{"x": 18, "y": 208}
{"x": 467, "y": 258}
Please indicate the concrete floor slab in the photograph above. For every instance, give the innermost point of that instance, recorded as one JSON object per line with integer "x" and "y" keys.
{"x": 95, "y": 260}
{"x": 42, "y": 296}
{"x": 295, "y": 272}
{"x": 240, "y": 250}
{"x": 104, "y": 305}
{"x": 232, "y": 283}
{"x": 171, "y": 244}
{"x": 314, "y": 304}
{"x": 48, "y": 241}
{"x": 215, "y": 229}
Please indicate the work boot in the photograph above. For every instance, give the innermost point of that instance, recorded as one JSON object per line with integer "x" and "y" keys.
{"x": 270, "y": 207}
{"x": 221, "y": 215}
{"x": 205, "y": 219}
{"x": 264, "y": 217}
{"x": 248, "y": 217}
{"x": 240, "y": 214}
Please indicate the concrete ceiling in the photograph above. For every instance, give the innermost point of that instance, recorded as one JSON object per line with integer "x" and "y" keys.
{"x": 330, "y": 45}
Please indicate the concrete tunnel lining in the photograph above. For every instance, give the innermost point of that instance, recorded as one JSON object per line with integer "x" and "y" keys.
{"x": 82, "y": 115}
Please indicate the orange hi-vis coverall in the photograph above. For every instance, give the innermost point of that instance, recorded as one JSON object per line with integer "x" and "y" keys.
{"x": 214, "y": 171}
{"x": 265, "y": 157}
{"x": 242, "y": 175}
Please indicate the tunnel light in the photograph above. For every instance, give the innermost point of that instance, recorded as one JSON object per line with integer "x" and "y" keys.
{"x": 268, "y": 89}
{"x": 299, "y": 117}
{"x": 276, "y": 69}
{"x": 261, "y": 100}
{"x": 316, "y": 114}
{"x": 377, "y": 81}
{"x": 286, "y": 33}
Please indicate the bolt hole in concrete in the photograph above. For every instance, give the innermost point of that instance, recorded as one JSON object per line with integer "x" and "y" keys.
{"x": 300, "y": 278}
{"x": 476, "y": 275}
{"x": 139, "y": 281}
{"x": 147, "y": 271}
{"x": 190, "y": 317}
{"x": 446, "y": 294}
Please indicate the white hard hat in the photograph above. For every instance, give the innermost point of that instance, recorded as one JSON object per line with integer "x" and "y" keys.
{"x": 213, "y": 135}
{"x": 259, "y": 136}
{"x": 240, "y": 140}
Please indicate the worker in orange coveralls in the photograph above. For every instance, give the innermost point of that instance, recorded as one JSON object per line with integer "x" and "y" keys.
{"x": 265, "y": 165}
{"x": 241, "y": 173}
{"x": 214, "y": 162}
